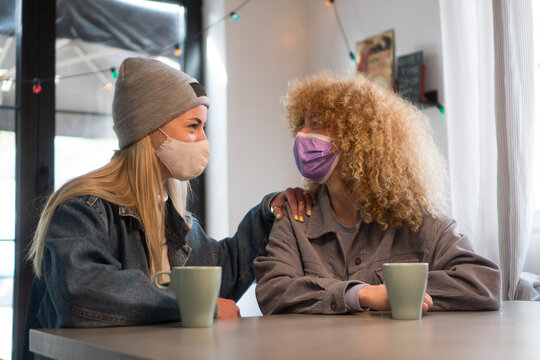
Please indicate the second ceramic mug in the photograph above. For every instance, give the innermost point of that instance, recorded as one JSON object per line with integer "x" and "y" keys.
{"x": 406, "y": 285}
{"x": 196, "y": 289}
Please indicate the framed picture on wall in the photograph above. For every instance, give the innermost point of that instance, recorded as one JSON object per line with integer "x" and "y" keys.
{"x": 375, "y": 57}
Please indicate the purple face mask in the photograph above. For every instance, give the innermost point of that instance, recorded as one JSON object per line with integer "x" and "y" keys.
{"x": 315, "y": 156}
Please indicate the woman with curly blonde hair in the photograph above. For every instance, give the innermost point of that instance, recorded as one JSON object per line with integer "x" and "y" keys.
{"x": 381, "y": 184}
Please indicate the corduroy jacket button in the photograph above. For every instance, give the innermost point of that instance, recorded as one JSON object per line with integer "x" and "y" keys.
{"x": 357, "y": 261}
{"x": 333, "y": 305}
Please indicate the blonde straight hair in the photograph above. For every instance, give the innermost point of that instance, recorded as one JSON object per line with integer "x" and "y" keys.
{"x": 133, "y": 179}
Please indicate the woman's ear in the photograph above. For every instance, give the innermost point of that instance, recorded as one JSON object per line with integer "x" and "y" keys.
{"x": 157, "y": 138}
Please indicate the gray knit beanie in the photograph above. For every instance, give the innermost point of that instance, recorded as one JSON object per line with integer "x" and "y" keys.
{"x": 148, "y": 94}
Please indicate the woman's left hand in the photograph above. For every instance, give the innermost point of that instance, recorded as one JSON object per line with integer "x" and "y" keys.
{"x": 301, "y": 203}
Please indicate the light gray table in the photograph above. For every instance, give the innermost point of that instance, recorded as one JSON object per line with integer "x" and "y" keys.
{"x": 513, "y": 332}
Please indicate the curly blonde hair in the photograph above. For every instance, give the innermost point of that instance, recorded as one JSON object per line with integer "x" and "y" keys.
{"x": 389, "y": 161}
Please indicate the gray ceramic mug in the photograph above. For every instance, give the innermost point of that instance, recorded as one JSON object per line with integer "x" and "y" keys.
{"x": 196, "y": 289}
{"x": 406, "y": 285}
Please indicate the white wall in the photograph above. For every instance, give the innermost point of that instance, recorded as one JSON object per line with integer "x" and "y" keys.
{"x": 278, "y": 40}
{"x": 264, "y": 50}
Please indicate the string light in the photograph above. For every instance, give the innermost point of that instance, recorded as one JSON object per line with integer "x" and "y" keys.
{"x": 36, "y": 88}
{"x": 233, "y": 14}
{"x": 177, "y": 50}
{"x": 351, "y": 54}
{"x": 36, "y": 82}
{"x": 6, "y": 82}
{"x": 441, "y": 109}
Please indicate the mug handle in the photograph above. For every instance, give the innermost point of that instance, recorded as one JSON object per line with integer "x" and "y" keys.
{"x": 156, "y": 280}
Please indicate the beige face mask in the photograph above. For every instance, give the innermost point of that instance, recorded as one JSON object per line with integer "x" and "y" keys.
{"x": 185, "y": 160}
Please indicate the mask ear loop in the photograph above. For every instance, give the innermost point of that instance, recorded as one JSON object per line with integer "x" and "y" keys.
{"x": 332, "y": 168}
{"x": 333, "y": 150}
{"x": 158, "y": 149}
{"x": 163, "y": 132}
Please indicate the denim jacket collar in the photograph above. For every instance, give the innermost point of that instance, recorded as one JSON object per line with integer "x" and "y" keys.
{"x": 176, "y": 226}
{"x": 122, "y": 210}
{"x": 126, "y": 211}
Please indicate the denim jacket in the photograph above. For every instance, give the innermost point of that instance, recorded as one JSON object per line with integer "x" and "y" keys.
{"x": 95, "y": 269}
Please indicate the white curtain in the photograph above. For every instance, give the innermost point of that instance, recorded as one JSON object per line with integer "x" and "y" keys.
{"x": 489, "y": 93}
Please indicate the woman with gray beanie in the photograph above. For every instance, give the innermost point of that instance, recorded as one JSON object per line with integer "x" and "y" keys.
{"x": 103, "y": 235}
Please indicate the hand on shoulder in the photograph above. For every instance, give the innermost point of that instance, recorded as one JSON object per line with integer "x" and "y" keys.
{"x": 300, "y": 201}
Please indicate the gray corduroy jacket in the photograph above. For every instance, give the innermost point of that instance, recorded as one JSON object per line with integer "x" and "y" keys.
{"x": 307, "y": 271}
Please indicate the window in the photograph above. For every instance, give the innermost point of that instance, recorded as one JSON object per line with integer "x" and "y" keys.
{"x": 7, "y": 174}
{"x": 7, "y": 236}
